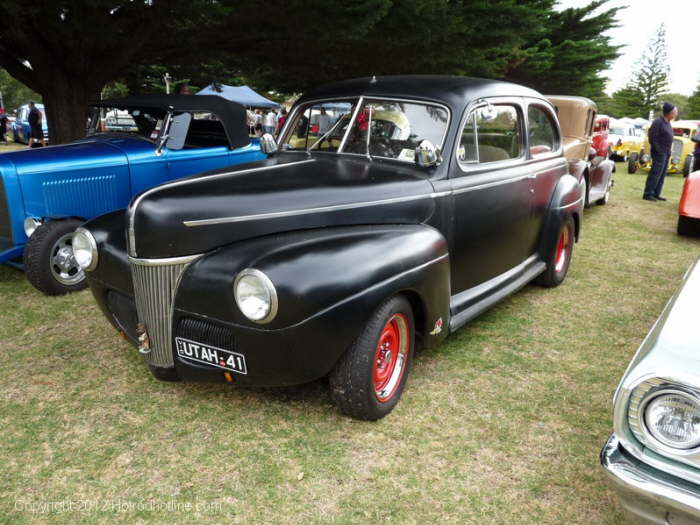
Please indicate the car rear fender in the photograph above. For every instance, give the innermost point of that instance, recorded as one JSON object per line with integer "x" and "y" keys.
{"x": 567, "y": 201}
{"x": 315, "y": 272}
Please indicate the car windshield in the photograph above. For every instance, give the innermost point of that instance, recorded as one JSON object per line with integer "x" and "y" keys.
{"x": 143, "y": 123}
{"x": 618, "y": 131}
{"x": 378, "y": 128}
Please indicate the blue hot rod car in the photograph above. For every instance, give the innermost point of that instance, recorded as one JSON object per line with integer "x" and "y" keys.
{"x": 46, "y": 193}
{"x": 20, "y": 127}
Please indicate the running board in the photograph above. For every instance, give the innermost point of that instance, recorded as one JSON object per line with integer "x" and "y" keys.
{"x": 511, "y": 282}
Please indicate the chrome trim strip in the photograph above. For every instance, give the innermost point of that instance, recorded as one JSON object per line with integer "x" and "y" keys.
{"x": 132, "y": 208}
{"x": 490, "y": 184}
{"x": 165, "y": 261}
{"x": 294, "y": 213}
{"x": 577, "y": 201}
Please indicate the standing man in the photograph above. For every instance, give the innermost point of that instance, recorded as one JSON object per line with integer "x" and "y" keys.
{"x": 324, "y": 122}
{"x": 270, "y": 122}
{"x": 660, "y": 141}
{"x": 36, "y": 133}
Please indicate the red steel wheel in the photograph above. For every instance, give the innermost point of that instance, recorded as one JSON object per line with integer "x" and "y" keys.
{"x": 559, "y": 256}
{"x": 390, "y": 357}
{"x": 563, "y": 247}
{"x": 368, "y": 379}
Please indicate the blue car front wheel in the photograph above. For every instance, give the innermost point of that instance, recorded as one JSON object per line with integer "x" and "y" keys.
{"x": 49, "y": 262}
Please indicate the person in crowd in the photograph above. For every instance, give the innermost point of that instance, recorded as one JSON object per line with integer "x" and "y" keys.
{"x": 696, "y": 153}
{"x": 270, "y": 122}
{"x": 183, "y": 88}
{"x": 250, "y": 120}
{"x": 258, "y": 123}
{"x": 324, "y": 122}
{"x": 36, "y": 133}
{"x": 660, "y": 141}
{"x": 3, "y": 125}
{"x": 281, "y": 119}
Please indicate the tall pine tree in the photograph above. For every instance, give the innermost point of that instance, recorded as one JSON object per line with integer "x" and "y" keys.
{"x": 693, "y": 107}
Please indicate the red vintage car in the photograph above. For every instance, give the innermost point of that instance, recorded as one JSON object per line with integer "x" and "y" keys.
{"x": 689, "y": 207}
{"x": 601, "y": 129}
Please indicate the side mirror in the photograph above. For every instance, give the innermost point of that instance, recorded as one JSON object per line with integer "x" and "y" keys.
{"x": 428, "y": 154}
{"x": 268, "y": 144}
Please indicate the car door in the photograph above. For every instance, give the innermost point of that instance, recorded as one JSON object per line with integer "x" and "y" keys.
{"x": 546, "y": 163}
{"x": 491, "y": 194}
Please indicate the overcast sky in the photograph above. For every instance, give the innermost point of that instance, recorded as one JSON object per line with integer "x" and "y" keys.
{"x": 638, "y": 24}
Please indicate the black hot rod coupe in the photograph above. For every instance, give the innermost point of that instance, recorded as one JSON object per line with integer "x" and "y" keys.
{"x": 396, "y": 210}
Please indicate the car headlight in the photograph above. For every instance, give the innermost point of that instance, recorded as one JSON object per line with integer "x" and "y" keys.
{"x": 672, "y": 417}
{"x": 84, "y": 249}
{"x": 30, "y": 225}
{"x": 255, "y": 295}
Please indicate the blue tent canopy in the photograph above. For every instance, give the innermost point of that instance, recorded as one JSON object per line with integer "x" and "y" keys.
{"x": 241, "y": 94}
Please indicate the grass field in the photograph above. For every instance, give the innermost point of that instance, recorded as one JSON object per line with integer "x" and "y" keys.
{"x": 502, "y": 424}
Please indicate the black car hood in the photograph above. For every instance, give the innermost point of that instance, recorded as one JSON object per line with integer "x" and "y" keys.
{"x": 287, "y": 192}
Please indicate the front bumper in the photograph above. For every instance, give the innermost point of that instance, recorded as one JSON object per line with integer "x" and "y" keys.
{"x": 649, "y": 495}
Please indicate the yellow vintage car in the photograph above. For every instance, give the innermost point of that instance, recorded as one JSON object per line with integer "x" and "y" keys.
{"x": 682, "y": 159}
{"x": 624, "y": 139}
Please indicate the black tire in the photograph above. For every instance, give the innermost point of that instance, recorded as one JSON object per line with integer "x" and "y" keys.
{"x": 688, "y": 165}
{"x": 632, "y": 163}
{"x": 559, "y": 257}
{"x": 688, "y": 226}
{"x": 47, "y": 259}
{"x": 357, "y": 381}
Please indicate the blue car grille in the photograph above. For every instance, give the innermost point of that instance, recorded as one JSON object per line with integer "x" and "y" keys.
{"x": 5, "y": 226}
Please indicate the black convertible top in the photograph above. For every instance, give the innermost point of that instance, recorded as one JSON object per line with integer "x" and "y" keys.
{"x": 231, "y": 114}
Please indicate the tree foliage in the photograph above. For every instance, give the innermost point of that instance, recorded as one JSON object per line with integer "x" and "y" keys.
{"x": 68, "y": 50}
{"x": 571, "y": 51}
{"x": 14, "y": 93}
{"x": 693, "y": 108}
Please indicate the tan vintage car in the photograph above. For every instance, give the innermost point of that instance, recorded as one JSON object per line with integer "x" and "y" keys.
{"x": 576, "y": 118}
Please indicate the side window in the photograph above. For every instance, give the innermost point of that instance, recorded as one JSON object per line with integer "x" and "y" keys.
{"x": 543, "y": 137}
{"x": 497, "y": 133}
{"x": 467, "y": 144}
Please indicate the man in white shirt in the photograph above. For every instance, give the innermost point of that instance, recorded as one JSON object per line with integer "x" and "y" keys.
{"x": 270, "y": 122}
{"x": 324, "y": 122}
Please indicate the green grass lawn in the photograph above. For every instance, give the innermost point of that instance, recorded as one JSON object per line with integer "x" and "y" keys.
{"x": 502, "y": 424}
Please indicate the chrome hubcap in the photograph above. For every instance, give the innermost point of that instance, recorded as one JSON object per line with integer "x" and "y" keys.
{"x": 64, "y": 267}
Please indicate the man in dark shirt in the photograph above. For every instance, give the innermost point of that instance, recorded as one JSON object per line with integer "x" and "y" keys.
{"x": 3, "y": 124}
{"x": 36, "y": 133}
{"x": 660, "y": 140}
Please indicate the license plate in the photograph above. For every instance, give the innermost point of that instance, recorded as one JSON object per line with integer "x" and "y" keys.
{"x": 210, "y": 355}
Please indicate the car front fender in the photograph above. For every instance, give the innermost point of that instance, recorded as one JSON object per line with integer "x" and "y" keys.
{"x": 348, "y": 269}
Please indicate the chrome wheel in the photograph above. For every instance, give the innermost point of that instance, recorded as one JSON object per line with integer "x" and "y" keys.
{"x": 64, "y": 267}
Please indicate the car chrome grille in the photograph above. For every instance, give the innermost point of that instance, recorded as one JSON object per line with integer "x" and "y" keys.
{"x": 5, "y": 226}
{"x": 676, "y": 150}
{"x": 155, "y": 285}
